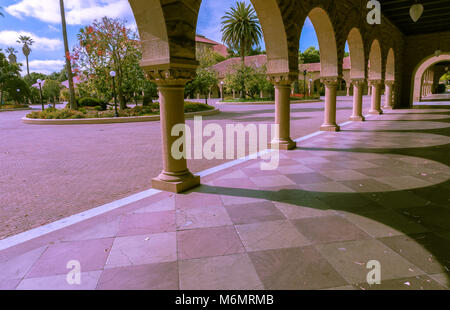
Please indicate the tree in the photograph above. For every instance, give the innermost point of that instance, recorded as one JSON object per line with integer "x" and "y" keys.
{"x": 248, "y": 80}
{"x": 51, "y": 90}
{"x": 27, "y": 42}
{"x": 104, "y": 46}
{"x": 72, "y": 101}
{"x": 8, "y": 72}
{"x": 241, "y": 29}
{"x": 12, "y": 54}
{"x": 310, "y": 55}
{"x": 1, "y": 13}
{"x": 204, "y": 81}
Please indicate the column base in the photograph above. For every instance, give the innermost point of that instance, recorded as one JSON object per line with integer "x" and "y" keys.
{"x": 285, "y": 145}
{"x": 388, "y": 108}
{"x": 175, "y": 183}
{"x": 375, "y": 112}
{"x": 357, "y": 118}
{"x": 334, "y": 128}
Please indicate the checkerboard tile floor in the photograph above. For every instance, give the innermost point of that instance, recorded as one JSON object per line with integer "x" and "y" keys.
{"x": 378, "y": 190}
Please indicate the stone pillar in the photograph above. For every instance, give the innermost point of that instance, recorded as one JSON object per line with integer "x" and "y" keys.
{"x": 375, "y": 107}
{"x": 261, "y": 94}
{"x": 369, "y": 91}
{"x": 358, "y": 88}
{"x": 348, "y": 88}
{"x": 175, "y": 176}
{"x": 388, "y": 104}
{"x": 282, "y": 84}
{"x": 331, "y": 84}
{"x": 234, "y": 94}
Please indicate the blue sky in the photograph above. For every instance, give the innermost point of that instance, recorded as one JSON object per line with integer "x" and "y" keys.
{"x": 41, "y": 20}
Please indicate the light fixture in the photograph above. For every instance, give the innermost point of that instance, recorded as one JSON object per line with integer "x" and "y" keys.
{"x": 39, "y": 81}
{"x": 112, "y": 73}
{"x": 437, "y": 53}
{"x": 416, "y": 11}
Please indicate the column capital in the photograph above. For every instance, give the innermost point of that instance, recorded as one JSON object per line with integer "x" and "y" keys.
{"x": 389, "y": 82}
{"x": 280, "y": 79}
{"x": 170, "y": 76}
{"x": 330, "y": 81}
{"x": 358, "y": 82}
{"x": 375, "y": 82}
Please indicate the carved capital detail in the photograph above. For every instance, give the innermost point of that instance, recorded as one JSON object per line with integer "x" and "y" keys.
{"x": 359, "y": 82}
{"x": 282, "y": 78}
{"x": 375, "y": 82}
{"x": 171, "y": 76}
{"x": 389, "y": 83}
{"x": 330, "y": 81}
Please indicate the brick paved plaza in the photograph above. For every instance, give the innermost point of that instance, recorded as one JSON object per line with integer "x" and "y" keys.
{"x": 378, "y": 190}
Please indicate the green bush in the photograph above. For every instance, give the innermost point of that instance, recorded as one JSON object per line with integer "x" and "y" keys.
{"x": 190, "y": 107}
{"x": 92, "y": 102}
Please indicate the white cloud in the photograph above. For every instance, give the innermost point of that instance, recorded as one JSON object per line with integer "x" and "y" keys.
{"x": 9, "y": 38}
{"x": 53, "y": 28}
{"x": 44, "y": 66}
{"x": 78, "y": 12}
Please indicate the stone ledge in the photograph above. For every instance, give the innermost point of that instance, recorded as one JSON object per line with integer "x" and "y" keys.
{"x": 113, "y": 120}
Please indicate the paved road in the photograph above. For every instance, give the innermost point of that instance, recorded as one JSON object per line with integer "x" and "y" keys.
{"x": 51, "y": 172}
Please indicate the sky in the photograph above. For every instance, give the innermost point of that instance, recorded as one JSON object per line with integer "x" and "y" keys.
{"x": 41, "y": 20}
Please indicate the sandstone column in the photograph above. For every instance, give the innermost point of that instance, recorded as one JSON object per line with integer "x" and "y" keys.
{"x": 388, "y": 104}
{"x": 358, "y": 88}
{"x": 348, "y": 89}
{"x": 282, "y": 84}
{"x": 175, "y": 176}
{"x": 376, "y": 97}
{"x": 330, "y": 104}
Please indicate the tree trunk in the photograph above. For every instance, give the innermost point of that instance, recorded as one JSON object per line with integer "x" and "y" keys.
{"x": 242, "y": 79}
{"x": 28, "y": 66}
{"x": 72, "y": 101}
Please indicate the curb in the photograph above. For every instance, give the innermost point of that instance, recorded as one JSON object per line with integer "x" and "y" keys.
{"x": 267, "y": 102}
{"x": 12, "y": 110}
{"x": 120, "y": 120}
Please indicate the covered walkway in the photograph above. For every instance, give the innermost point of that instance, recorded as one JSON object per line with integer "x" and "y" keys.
{"x": 377, "y": 190}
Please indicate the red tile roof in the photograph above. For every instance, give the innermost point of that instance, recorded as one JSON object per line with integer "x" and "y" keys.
{"x": 218, "y": 47}
{"x": 254, "y": 61}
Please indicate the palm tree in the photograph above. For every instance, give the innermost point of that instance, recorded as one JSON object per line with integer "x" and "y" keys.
{"x": 241, "y": 29}
{"x": 72, "y": 103}
{"x": 27, "y": 42}
{"x": 1, "y": 14}
{"x": 12, "y": 55}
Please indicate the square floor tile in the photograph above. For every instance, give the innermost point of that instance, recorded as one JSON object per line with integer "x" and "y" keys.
{"x": 398, "y": 200}
{"x": 202, "y": 215}
{"x": 270, "y": 235}
{"x": 384, "y": 224}
{"x": 328, "y": 187}
{"x": 167, "y": 204}
{"x": 343, "y": 175}
{"x": 142, "y": 250}
{"x": 442, "y": 278}
{"x": 295, "y": 269}
{"x": 417, "y": 283}
{"x": 162, "y": 276}
{"x": 329, "y": 229}
{"x": 308, "y": 178}
{"x": 91, "y": 254}
{"x": 88, "y": 281}
{"x": 294, "y": 210}
{"x": 350, "y": 259}
{"x": 427, "y": 251}
{"x": 9, "y": 284}
{"x": 271, "y": 181}
{"x": 254, "y": 213}
{"x": 368, "y": 185}
{"x": 17, "y": 267}
{"x": 147, "y": 223}
{"x": 351, "y": 202}
{"x": 205, "y": 242}
{"x": 232, "y": 272}
{"x": 404, "y": 182}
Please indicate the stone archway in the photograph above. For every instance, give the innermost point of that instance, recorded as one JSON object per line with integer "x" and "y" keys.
{"x": 416, "y": 82}
{"x": 389, "y": 80}
{"x": 375, "y": 59}
{"x": 327, "y": 42}
{"x": 357, "y": 58}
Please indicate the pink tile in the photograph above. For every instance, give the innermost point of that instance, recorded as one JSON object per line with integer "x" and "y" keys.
{"x": 163, "y": 276}
{"x": 207, "y": 242}
{"x": 17, "y": 267}
{"x": 88, "y": 281}
{"x": 9, "y": 284}
{"x": 91, "y": 254}
{"x": 147, "y": 223}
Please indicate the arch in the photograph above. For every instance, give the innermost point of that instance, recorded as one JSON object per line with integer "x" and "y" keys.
{"x": 168, "y": 28}
{"x": 416, "y": 82}
{"x": 327, "y": 42}
{"x": 357, "y": 54}
{"x": 390, "y": 66}
{"x": 375, "y": 60}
